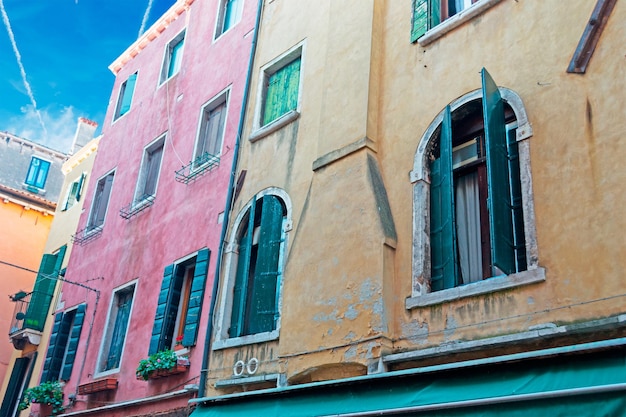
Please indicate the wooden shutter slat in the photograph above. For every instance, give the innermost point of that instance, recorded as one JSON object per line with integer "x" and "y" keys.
{"x": 42, "y": 293}
{"x": 240, "y": 291}
{"x": 158, "y": 328}
{"x": 72, "y": 343}
{"x": 52, "y": 346}
{"x": 419, "y": 24}
{"x": 196, "y": 296}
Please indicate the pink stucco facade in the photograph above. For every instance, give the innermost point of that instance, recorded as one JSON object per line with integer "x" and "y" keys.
{"x": 183, "y": 219}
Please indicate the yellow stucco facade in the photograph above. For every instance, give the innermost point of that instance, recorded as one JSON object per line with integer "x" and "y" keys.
{"x": 349, "y": 163}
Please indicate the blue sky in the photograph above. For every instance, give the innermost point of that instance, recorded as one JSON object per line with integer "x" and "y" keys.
{"x": 66, "y": 47}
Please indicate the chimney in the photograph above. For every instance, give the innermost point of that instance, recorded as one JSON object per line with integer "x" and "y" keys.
{"x": 84, "y": 133}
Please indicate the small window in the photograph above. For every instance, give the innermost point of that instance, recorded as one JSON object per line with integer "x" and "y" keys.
{"x": 180, "y": 302}
{"x": 281, "y": 89}
{"x": 149, "y": 172}
{"x": 211, "y": 134}
{"x": 116, "y": 329}
{"x": 74, "y": 192}
{"x": 63, "y": 344}
{"x": 37, "y": 172}
{"x": 229, "y": 15}
{"x": 429, "y": 13}
{"x": 100, "y": 202}
{"x": 125, "y": 97}
{"x": 173, "y": 57}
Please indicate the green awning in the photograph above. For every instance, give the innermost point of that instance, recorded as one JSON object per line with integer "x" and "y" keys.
{"x": 554, "y": 386}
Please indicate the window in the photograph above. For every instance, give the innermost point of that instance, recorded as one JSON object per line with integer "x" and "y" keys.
{"x": 180, "y": 303}
{"x": 211, "y": 134}
{"x": 229, "y": 15}
{"x": 281, "y": 84}
{"x": 37, "y": 172}
{"x": 258, "y": 268}
{"x": 63, "y": 344}
{"x": 481, "y": 219}
{"x": 173, "y": 57}
{"x": 100, "y": 202}
{"x": 149, "y": 172}
{"x": 19, "y": 379}
{"x": 116, "y": 329}
{"x": 125, "y": 97}
{"x": 74, "y": 192}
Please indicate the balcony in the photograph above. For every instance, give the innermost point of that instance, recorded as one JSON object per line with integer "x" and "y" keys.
{"x": 28, "y": 318}
{"x": 196, "y": 168}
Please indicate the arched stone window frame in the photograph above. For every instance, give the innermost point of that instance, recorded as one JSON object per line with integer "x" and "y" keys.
{"x": 231, "y": 254}
{"x": 421, "y": 294}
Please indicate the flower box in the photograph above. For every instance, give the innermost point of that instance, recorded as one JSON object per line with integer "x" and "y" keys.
{"x": 162, "y": 373}
{"x": 105, "y": 384}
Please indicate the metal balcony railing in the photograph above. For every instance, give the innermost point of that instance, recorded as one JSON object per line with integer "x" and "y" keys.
{"x": 196, "y": 168}
{"x": 137, "y": 206}
{"x": 86, "y": 235}
{"x": 30, "y": 311}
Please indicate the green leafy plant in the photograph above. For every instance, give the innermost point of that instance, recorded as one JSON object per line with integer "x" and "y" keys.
{"x": 165, "y": 360}
{"x": 50, "y": 393}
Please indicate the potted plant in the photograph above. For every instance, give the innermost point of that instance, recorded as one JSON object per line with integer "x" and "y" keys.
{"x": 48, "y": 393}
{"x": 161, "y": 364}
{"x": 179, "y": 343}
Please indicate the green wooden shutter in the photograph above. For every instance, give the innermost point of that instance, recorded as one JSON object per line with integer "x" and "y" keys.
{"x": 263, "y": 313}
{"x": 13, "y": 391}
{"x": 240, "y": 292}
{"x": 49, "y": 370}
{"x": 42, "y": 293}
{"x": 127, "y": 94}
{"x": 434, "y": 13}
{"x": 500, "y": 207}
{"x": 176, "y": 56}
{"x": 292, "y": 85}
{"x": 124, "y": 301}
{"x": 79, "y": 191}
{"x": 442, "y": 223}
{"x": 282, "y": 91}
{"x": 157, "y": 340}
{"x": 196, "y": 296}
{"x": 516, "y": 198}
{"x": 420, "y": 19}
{"x": 72, "y": 344}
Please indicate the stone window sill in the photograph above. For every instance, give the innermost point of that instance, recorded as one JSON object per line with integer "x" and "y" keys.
{"x": 245, "y": 340}
{"x": 275, "y": 125}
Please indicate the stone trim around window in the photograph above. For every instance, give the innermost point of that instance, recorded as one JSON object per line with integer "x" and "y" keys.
{"x": 420, "y": 177}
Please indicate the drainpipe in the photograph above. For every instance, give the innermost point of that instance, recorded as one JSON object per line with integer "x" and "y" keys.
{"x": 231, "y": 185}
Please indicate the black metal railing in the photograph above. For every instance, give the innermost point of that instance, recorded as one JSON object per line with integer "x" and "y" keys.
{"x": 197, "y": 167}
{"x": 86, "y": 235}
{"x": 137, "y": 206}
{"x": 27, "y": 315}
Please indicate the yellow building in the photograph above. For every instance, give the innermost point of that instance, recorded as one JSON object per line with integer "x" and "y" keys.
{"x": 30, "y": 327}
{"x": 427, "y": 213}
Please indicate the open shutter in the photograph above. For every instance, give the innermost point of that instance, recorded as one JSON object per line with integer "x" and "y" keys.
{"x": 196, "y": 296}
{"x": 442, "y": 226}
{"x": 157, "y": 340}
{"x": 14, "y": 388}
{"x": 500, "y": 207}
{"x": 420, "y": 19}
{"x": 72, "y": 344}
{"x": 53, "y": 347}
{"x": 263, "y": 312}
{"x": 127, "y": 94}
{"x": 42, "y": 292}
{"x": 516, "y": 198}
{"x": 240, "y": 293}
{"x": 79, "y": 190}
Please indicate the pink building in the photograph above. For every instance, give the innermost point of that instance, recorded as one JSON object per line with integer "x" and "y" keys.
{"x": 140, "y": 278}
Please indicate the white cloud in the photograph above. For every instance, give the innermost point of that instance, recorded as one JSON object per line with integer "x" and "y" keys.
{"x": 60, "y": 125}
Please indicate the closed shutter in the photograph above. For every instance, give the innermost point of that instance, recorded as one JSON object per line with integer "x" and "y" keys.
{"x": 282, "y": 91}
{"x": 263, "y": 301}
{"x": 442, "y": 226}
{"x": 196, "y": 296}
{"x": 72, "y": 344}
{"x": 50, "y": 373}
{"x": 127, "y": 94}
{"x": 420, "y": 19}
{"x": 500, "y": 207}
{"x": 240, "y": 292}
{"x": 164, "y": 312}
{"x": 42, "y": 293}
{"x": 14, "y": 388}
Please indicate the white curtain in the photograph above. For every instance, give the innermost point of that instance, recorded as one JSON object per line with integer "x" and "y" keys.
{"x": 468, "y": 228}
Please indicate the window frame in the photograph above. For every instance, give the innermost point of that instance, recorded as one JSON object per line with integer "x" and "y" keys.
{"x": 35, "y": 182}
{"x": 90, "y": 226}
{"x": 121, "y": 96}
{"x": 140, "y": 195}
{"x": 107, "y": 339}
{"x": 261, "y": 130}
{"x": 165, "y": 74}
{"x": 73, "y": 196}
{"x": 421, "y": 294}
{"x": 223, "y": 97}
{"x": 221, "y": 16}
{"x": 222, "y": 327}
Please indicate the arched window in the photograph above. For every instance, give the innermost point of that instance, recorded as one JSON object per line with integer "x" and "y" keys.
{"x": 473, "y": 213}
{"x": 250, "y": 305}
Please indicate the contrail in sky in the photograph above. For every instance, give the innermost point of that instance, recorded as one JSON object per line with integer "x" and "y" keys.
{"x": 145, "y": 18}
{"x": 18, "y": 57}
